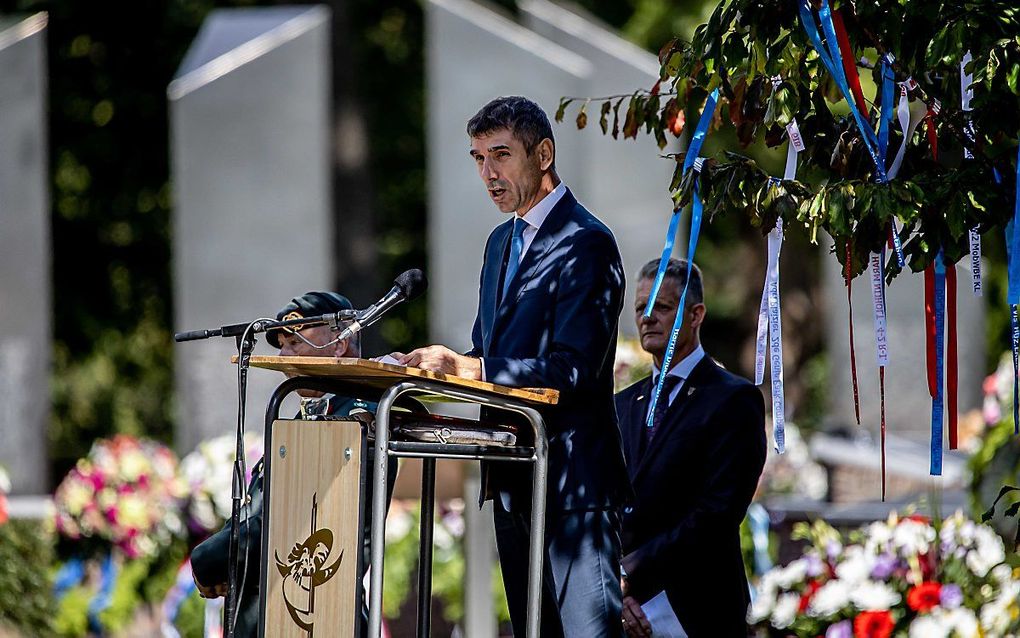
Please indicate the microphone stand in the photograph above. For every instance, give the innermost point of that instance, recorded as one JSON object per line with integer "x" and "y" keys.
{"x": 245, "y": 337}
{"x": 245, "y": 346}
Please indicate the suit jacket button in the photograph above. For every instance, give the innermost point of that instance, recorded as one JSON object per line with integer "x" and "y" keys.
{"x": 628, "y": 510}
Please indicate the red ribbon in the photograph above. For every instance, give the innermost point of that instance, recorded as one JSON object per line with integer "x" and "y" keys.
{"x": 952, "y": 373}
{"x": 849, "y": 63}
{"x": 881, "y": 385}
{"x": 850, "y": 309}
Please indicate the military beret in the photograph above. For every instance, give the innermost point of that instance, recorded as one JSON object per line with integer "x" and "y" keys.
{"x": 310, "y": 304}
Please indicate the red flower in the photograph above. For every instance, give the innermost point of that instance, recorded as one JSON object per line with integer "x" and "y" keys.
{"x": 873, "y": 624}
{"x": 805, "y": 599}
{"x": 923, "y": 597}
{"x": 918, "y": 518}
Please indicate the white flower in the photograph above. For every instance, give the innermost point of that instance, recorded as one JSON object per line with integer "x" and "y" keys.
{"x": 929, "y": 626}
{"x": 785, "y": 611}
{"x": 963, "y": 622}
{"x": 830, "y": 598}
{"x": 994, "y": 619}
{"x": 5, "y": 482}
{"x": 988, "y": 551}
{"x": 768, "y": 584}
{"x": 872, "y": 596}
{"x": 856, "y": 565}
{"x": 761, "y": 608}
{"x": 792, "y": 574}
{"x": 1002, "y": 574}
{"x": 879, "y": 534}
{"x": 912, "y": 537}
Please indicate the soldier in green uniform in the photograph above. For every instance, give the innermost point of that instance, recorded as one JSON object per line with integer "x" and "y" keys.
{"x": 209, "y": 561}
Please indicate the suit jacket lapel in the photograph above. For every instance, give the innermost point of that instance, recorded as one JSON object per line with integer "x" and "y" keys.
{"x": 638, "y": 409}
{"x": 490, "y": 284}
{"x": 688, "y": 396}
{"x": 539, "y": 250}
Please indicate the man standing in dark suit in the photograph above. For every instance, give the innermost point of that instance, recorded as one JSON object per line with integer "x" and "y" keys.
{"x": 550, "y": 296}
{"x": 694, "y": 471}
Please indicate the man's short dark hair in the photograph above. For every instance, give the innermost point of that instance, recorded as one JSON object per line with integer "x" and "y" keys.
{"x": 519, "y": 115}
{"x": 676, "y": 271}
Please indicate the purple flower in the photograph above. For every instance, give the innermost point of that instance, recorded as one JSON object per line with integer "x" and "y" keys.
{"x": 833, "y": 549}
{"x": 951, "y": 596}
{"x": 842, "y": 629}
{"x": 815, "y": 566}
{"x": 885, "y": 564}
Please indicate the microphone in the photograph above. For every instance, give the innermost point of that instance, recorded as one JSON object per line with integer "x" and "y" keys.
{"x": 407, "y": 286}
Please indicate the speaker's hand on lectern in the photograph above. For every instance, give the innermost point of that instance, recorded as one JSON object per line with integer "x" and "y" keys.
{"x": 442, "y": 359}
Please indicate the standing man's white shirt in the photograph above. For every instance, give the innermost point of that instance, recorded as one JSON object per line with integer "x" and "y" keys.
{"x": 537, "y": 215}
{"x": 682, "y": 370}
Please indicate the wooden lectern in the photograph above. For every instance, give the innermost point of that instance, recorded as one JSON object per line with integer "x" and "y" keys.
{"x": 314, "y": 479}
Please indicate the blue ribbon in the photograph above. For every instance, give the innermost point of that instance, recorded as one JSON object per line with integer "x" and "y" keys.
{"x": 1013, "y": 294}
{"x": 833, "y": 61}
{"x": 898, "y": 245}
{"x": 1013, "y": 243}
{"x": 940, "y": 327}
{"x": 692, "y": 245}
{"x": 69, "y": 575}
{"x": 1015, "y": 332}
{"x": 693, "y": 150}
{"x": 888, "y": 95}
{"x": 102, "y": 599}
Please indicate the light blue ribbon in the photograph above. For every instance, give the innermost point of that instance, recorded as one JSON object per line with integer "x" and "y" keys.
{"x": 693, "y": 150}
{"x": 692, "y": 245}
{"x": 69, "y": 575}
{"x": 103, "y": 597}
{"x": 940, "y": 328}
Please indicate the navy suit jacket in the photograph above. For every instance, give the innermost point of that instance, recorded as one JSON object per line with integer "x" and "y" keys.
{"x": 692, "y": 486}
{"x": 556, "y": 328}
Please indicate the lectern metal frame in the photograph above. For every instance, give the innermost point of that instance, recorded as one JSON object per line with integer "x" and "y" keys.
{"x": 429, "y": 452}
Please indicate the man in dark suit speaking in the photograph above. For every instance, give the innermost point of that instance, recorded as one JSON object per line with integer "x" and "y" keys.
{"x": 548, "y": 309}
{"x": 694, "y": 471}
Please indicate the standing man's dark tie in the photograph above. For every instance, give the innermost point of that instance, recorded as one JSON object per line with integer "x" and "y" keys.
{"x": 662, "y": 404}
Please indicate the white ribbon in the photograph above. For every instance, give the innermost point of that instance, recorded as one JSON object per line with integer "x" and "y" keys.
{"x": 966, "y": 94}
{"x": 910, "y": 115}
{"x": 770, "y": 324}
{"x": 776, "y": 339}
{"x": 878, "y": 306}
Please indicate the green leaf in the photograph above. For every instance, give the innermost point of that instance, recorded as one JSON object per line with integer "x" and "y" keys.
{"x": 604, "y": 116}
{"x": 1011, "y": 77}
{"x": 562, "y": 110}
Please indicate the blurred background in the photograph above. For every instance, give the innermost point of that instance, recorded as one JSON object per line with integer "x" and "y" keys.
{"x": 178, "y": 165}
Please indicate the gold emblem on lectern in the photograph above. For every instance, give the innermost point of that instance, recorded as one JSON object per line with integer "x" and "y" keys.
{"x": 304, "y": 570}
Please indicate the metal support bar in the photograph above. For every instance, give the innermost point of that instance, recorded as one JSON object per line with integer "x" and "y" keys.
{"x": 428, "y": 517}
{"x": 536, "y": 552}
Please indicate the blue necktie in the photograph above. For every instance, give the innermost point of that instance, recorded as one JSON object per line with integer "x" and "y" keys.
{"x": 516, "y": 248}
